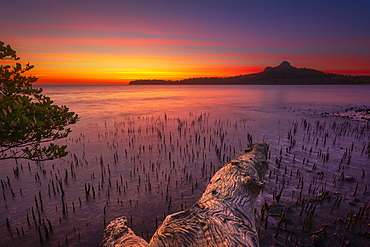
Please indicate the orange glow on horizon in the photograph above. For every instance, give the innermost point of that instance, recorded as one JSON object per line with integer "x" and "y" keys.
{"x": 119, "y": 61}
{"x": 95, "y": 68}
{"x": 124, "y": 76}
{"x": 116, "y": 70}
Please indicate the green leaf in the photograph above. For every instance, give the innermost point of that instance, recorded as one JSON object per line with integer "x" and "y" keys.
{"x": 27, "y": 116}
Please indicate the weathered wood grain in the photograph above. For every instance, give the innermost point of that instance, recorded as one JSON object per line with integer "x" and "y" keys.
{"x": 223, "y": 216}
{"x": 118, "y": 234}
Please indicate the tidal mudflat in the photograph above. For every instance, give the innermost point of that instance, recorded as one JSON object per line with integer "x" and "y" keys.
{"x": 159, "y": 159}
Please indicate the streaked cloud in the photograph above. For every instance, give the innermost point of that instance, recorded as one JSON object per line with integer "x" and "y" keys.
{"x": 116, "y": 41}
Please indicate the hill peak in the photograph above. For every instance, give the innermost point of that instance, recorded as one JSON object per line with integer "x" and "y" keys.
{"x": 284, "y": 64}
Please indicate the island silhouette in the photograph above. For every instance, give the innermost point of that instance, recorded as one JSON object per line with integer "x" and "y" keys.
{"x": 283, "y": 74}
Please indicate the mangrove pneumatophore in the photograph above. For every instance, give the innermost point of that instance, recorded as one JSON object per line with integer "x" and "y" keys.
{"x": 223, "y": 216}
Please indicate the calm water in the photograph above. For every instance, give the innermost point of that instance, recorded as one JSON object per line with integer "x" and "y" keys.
{"x": 147, "y": 151}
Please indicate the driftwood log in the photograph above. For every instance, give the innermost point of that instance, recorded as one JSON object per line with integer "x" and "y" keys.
{"x": 223, "y": 216}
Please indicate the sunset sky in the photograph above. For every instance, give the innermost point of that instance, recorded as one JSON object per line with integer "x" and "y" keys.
{"x": 116, "y": 41}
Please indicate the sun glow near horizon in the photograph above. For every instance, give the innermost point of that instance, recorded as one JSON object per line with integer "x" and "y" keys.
{"x": 78, "y": 68}
{"x": 67, "y": 63}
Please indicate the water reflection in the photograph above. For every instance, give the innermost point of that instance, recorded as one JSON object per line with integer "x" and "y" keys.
{"x": 172, "y": 139}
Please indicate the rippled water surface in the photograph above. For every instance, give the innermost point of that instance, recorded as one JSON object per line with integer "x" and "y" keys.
{"x": 148, "y": 151}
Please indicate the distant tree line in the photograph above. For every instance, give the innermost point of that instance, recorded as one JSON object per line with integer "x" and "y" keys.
{"x": 284, "y": 74}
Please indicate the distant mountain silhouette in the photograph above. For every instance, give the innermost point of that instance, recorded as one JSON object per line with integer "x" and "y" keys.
{"x": 283, "y": 74}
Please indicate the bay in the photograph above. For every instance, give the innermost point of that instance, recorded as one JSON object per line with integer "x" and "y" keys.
{"x": 148, "y": 151}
